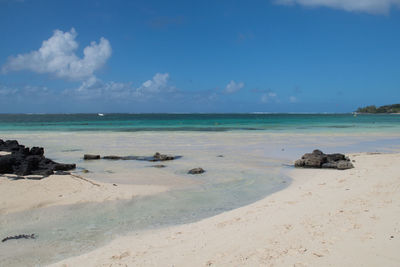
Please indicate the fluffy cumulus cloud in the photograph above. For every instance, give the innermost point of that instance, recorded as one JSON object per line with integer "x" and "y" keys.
{"x": 94, "y": 88}
{"x": 57, "y": 56}
{"x": 233, "y": 87}
{"x": 158, "y": 84}
{"x": 368, "y": 6}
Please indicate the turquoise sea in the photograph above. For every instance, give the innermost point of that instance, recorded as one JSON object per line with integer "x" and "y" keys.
{"x": 199, "y": 122}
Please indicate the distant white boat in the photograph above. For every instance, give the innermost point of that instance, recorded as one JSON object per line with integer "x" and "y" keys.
{"x": 100, "y": 114}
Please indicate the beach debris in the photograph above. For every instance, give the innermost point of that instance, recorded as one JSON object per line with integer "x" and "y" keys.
{"x": 317, "y": 159}
{"x": 23, "y": 236}
{"x": 196, "y": 171}
{"x": 84, "y": 179}
{"x": 85, "y": 171}
{"x": 220, "y": 156}
{"x": 318, "y": 254}
{"x": 25, "y": 161}
{"x": 90, "y": 157}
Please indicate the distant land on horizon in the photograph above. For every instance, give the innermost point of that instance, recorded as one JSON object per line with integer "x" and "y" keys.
{"x": 395, "y": 108}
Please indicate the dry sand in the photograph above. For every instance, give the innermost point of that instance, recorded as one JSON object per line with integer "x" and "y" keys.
{"x": 324, "y": 218}
{"x": 24, "y": 194}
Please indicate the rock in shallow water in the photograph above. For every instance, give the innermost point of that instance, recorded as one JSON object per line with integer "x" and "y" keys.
{"x": 156, "y": 157}
{"x": 158, "y": 166}
{"x": 317, "y": 159}
{"x": 24, "y": 161}
{"x": 161, "y": 157}
{"x": 196, "y": 171}
{"x": 90, "y": 157}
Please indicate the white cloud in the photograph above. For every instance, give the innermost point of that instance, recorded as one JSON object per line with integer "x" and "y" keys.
{"x": 267, "y": 97}
{"x": 95, "y": 88}
{"x": 368, "y": 6}
{"x": 22, "y": 91}
{"x": 232, "y": 87}
{"x": 293, "y": 99}
{"x": 158, "y": 84}
{"x": 57, "y": 56}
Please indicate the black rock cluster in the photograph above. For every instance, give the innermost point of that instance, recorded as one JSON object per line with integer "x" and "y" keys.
{"x": 27, "y": 161}
{"x": 317, "y": 159}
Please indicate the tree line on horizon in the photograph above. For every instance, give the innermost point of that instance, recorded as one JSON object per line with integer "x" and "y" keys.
{"x": 395, "y": 108}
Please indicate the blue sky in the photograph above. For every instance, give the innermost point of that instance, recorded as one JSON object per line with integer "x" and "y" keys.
{"x": 198, "y": 56}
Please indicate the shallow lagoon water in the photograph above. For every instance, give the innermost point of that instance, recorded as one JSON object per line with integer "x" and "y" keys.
{"x": 70, "y": 230}
{"x": 252, "y": 167}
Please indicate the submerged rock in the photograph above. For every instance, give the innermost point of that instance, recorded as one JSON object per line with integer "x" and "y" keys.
{"x": 158, "y": 166}
{"x": 317, "y": 159}
{"x": 196, "y": 171}
{"x": 24, "y": 161}
{"x": 113, "y": 157}
{"x": 156, "y": 157}
{"x": 90, "y": 157}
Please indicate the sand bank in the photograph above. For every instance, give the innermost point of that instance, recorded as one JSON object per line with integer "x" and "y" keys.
{"x": 24, "y": 194}
{"x": 324, "y": 218}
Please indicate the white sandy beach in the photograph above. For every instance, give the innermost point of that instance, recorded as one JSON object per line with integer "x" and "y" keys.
{"x": 325, "y": 218}
{"x": 65, "y": 190}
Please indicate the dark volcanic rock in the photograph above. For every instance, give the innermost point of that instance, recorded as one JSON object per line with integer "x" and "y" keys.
{"x": 317, "y": 159}
{"x": 63, "y": 166}
{"x": 6, "y": 164}
{"x": 90, "y": 157}
{"x": 196, "y": 171}
{"x": 156, "y": 157}
{"x": 113, "y": 157}
{"x": 344, "y": 165}
{"x": 24, "y": 161}
{"x": 329, "y": 165}
{"x": 161, "y": 157}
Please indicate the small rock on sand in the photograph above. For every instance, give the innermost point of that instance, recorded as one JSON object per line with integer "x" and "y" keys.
{"x": 196, "y": 171}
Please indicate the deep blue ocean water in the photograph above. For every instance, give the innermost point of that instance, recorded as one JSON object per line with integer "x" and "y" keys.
{"x": 200, "y": 122}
